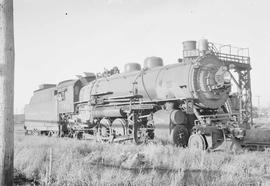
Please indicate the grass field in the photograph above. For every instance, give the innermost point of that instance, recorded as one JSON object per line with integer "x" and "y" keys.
{"x": 88, "y": 163}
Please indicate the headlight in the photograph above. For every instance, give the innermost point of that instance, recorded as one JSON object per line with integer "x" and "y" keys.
{"x": 227, "y": 77}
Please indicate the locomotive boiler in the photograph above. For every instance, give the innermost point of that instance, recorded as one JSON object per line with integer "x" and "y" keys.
{"x": 187, "y": 103}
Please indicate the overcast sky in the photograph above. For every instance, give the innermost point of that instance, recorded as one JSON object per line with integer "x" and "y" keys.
{"x": 56, "y": 40}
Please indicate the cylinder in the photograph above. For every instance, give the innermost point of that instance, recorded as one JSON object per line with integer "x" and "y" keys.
{"x": 152, "y": 62}
{"x": 203, "y": 45}
{"x": 164, "y": 121}
{"x": 177, "y": 117}
{"x": 189, "y": 45}
{"x": 131, "y": 67}
{"x": 163, "y": 118}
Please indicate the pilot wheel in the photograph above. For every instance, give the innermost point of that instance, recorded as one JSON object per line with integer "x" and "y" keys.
{"x": 197, "y": 142}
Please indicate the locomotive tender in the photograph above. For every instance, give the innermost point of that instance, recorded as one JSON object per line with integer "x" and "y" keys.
{"x": 186, "y": 102}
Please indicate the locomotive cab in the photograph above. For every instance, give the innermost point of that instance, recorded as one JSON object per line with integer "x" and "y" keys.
{"x": 68, "y": 96}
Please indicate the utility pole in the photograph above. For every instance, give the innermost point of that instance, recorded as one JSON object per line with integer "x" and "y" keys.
{"x": 6, "y": 92}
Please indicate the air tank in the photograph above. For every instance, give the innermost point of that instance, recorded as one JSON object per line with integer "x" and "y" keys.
{"x": 152, "y": 62}
{"x": 189, "y": 45}
{"x": 164, "y": 119}
{"x": 131, "y": 67}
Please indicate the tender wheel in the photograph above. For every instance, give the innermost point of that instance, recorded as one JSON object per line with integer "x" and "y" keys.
{"x": 51, "y": 133}
{"x": 78, "y": 135}
{"x": 197, "y": 142}
{"x": 27, "y": 132}
{"x": 179, "y": 136}
{"x": 35, "y": 132}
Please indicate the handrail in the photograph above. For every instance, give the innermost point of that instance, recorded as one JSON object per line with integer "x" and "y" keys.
{"x": 231, "y": 49}
{"x": 233, "y": 58}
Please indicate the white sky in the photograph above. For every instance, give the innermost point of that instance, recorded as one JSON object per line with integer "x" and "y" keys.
{"x": 51, "y": 46}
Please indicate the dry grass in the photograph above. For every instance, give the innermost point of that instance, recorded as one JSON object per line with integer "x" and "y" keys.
{"x": 82, "y": 163}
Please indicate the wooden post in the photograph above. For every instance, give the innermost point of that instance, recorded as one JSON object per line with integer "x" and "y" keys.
{"x": 6, "y": 92}
{"x": 50, "y": 167}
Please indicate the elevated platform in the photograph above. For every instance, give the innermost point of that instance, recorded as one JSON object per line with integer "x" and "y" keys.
{"x": 240, "y": 62}
{"x": 238, "y": 57}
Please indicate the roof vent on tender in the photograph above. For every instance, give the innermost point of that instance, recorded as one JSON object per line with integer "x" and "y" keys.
{"x": 45, "y": 86}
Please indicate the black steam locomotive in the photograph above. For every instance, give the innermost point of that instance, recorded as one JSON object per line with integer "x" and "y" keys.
{"x": 186, "y": 102}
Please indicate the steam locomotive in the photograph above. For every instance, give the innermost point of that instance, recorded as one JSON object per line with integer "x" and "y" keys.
{"x": 187, "y": 103}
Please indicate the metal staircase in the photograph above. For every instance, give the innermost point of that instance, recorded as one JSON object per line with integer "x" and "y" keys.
{"x": 238, "y": 60}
